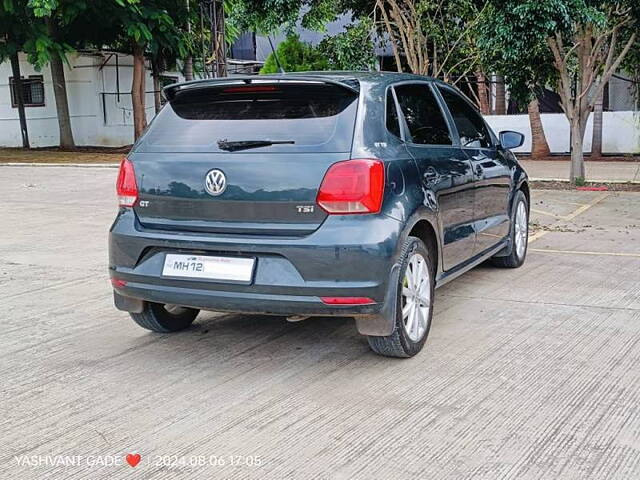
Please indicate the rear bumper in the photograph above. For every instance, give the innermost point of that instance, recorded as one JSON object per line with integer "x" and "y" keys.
{"x": 348, "y": 256}
{"x": 130, "y": 299}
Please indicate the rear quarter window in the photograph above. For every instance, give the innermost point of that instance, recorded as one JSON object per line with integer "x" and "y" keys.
{"x": 316, "y": 117}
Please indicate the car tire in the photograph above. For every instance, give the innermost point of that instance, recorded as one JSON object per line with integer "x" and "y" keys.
{"x": 161, "y": 318}
{"x": 518, "y": 234}
{"x": 414, "y": 308}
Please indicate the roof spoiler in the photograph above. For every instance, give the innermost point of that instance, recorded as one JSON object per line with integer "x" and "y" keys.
{"x": 171, "y": 91}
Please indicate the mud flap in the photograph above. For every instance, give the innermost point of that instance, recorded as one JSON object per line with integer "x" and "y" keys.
{"x": 506, "y": 251}
{"x": 128, "y": 304}
{"x": 382, "y": 323}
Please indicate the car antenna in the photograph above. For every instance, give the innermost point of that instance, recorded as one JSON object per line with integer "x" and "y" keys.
{"x": 275, "y": 55}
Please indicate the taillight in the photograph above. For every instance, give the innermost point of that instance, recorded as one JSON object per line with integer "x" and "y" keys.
{"x": 353, "y": 186}
{"x": 126, "y": 186}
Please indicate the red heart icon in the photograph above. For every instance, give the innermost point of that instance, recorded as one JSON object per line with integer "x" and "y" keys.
{"x": 132, "y": 459}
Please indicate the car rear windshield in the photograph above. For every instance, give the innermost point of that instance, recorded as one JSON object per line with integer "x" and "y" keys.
{"x": 311, "y": 117}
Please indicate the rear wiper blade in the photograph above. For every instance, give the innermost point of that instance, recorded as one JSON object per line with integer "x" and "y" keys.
{"x": 246, "y": 144}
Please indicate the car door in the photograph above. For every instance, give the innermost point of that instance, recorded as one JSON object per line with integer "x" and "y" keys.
{"x": 492, "y": 174}
{"x": 445, "y": 171}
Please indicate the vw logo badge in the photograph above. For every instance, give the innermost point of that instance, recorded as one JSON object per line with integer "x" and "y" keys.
{"x": 215, "y": 182}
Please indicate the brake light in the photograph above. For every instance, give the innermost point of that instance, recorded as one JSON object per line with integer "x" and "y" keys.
{"x": 347, "y": 300}
{"x": 353, "y": 186}
{"x": 126, "y": 186}
{"x": 251, "y": 89}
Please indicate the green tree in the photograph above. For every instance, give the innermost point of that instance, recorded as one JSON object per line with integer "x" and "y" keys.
{"x": 502, "y": 47}
{"x": 295, "y": 56}
{"x": 154, "y": 27}
{"x": 50, "y": 45}
{"x": 579, "y": 44}
{"x": 432, "y": 37}
{"x": 352, "y": 49}
{"x": 268, "y": 16}
{"x": 47, "y": 30}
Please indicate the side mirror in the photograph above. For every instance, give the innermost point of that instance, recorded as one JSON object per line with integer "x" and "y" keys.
{"x": 510, "y": 139}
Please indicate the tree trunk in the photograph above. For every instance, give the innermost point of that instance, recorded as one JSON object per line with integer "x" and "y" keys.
{"x": 501, "y": 101}
{"x": 62, "y": 103}
{"x": 155, "y": 72}
{"x": 577, "y": 157}
{"x": 188, "y": 68}
{"x": 596, "y": 142}
{"x": 188, "y": 62}
{"x": 539, "y": 145}
{"x": 483, "y": 93}
{"x": 138, "y": 91}
{"x": 218, "y": 44}
{"x": 17, "y": 82}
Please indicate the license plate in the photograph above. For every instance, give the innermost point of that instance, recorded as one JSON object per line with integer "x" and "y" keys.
{"x": 213, "y": 268}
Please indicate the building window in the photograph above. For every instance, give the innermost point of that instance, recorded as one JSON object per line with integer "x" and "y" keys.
{"x": 32, "y": 91}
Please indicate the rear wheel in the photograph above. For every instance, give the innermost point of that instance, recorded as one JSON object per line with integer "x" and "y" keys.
{"x": 519, "y": 234}
{"x": 414, "y": 303}
{"x": 164, "y": 318}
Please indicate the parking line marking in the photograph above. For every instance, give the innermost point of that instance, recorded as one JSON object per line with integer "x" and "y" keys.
{"x": 570, "y": 203}
{"x": 549, "y": 214}
{"x": 579, "y": 252}
{"x": 571, "y": 216}
{"x": 586, "y": 207}
{"x": 537, "y": 235}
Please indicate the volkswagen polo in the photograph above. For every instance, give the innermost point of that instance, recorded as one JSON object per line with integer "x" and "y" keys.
{"x": 302, "y": 195}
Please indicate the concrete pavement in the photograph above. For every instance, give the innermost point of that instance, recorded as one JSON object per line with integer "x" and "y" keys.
{"x": 527, "y": 374}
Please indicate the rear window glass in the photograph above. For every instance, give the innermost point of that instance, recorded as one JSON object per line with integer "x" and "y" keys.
{"x": 316, "y": 117}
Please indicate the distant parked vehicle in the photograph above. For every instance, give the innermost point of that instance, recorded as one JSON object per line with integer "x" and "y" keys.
{"x": 348, "y": 194}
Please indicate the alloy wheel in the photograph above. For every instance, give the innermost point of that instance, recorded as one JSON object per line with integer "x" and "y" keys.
{"x": 416, "y": 297}
{"x": 521, "y": 230}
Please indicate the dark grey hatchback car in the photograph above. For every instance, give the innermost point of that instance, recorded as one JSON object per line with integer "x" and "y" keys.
{"x": 344, "y": 193}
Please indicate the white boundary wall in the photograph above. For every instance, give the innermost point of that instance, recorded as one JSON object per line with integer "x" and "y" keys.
{"x": 85, "y": 83}
{"x": 620, "y": 131}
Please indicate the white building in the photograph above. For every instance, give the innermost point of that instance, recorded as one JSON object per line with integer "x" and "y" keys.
{"x": 98, "y": 90}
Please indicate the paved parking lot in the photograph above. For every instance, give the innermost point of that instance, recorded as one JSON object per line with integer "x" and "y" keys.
{"x": 528, "y": 373}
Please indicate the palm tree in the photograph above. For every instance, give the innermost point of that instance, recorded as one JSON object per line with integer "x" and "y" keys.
{"x": 539, "y": 145}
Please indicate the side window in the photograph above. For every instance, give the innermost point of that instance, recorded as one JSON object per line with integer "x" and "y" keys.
{"x": 393, "y": 124}
{"x": 424, "y": 118}
{"x": 471, "y": 128}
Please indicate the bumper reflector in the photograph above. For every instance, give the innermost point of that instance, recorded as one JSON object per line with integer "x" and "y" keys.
{"x": 117, "y": 283}
{"x": 347, "y": 300}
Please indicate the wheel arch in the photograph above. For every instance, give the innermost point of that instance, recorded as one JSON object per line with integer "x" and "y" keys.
{"x": 424, "y": 230}
{"x": 422, "y": 224}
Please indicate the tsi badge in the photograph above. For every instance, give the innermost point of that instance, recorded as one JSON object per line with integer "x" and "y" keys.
{"x": 215, "y": 182}
{"x": 304, "y": 208}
